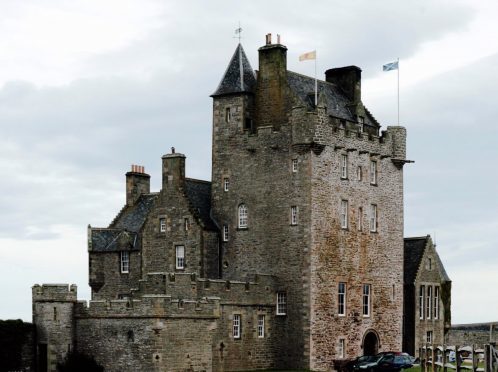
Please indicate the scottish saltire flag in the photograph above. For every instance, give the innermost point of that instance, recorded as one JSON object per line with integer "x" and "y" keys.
{"x": 390, "y": 66}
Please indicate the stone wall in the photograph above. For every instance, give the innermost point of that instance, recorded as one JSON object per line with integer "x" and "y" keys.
{"x": 354, "y": 255}
{"x": 472, "y": 334}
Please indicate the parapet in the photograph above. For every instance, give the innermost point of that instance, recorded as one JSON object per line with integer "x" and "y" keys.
{"x": 55, "y": 292}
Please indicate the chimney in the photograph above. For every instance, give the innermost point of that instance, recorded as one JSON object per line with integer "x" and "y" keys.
{"x": 271, "y": 84}
{"x": 348, "y": 79}
{"x": 137, "y": 183}
{"x": 173, "y": 169}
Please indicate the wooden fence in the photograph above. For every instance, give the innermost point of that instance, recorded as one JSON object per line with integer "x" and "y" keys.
{"x": 459, "y": 358}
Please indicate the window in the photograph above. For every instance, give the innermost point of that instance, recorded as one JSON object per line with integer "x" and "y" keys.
{"x": 421, "y": 296}
{"x": 373, "y": 172}
{"x": 373, "y": 217}
{"x": 281, "y": 303}
{"x": 228, "y": 115}
{"x": 186, "y": 224}
{"x": 341, "y": 299}
{"x": 341, "y": 348}
{"x": 428, "y": 303}
{"x": 248, "y": 124}
{"x": 261, "y": 326}
{"x": 429, "y": 264}
{"x": 294, "y": 165}
{"x": 294, "y": 215}
{"x": 180, "y": 257}
{"x": 242, "y": 216}
{"x": 361, "y": 123}
{"x": 55, "y": 313}
{"x": 125, "y": 262}
{"x": 359, "y": 173}
{"x": 429, "y": 337}
{"x": 236, "y": 325}
{"x": 366, "y": 299}
{"x": 344, "y": 166}
{"x": 359, "y": 223}
{"x": 436, "y": 303}
{"x": 162, "y": 224}
{"x": 225, "y": 233}
{"x": 226, "y": 183}
{"x": 344, "y": 214}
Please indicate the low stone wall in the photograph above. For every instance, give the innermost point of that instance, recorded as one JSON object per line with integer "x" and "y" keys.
{"x": 472, "y": 334}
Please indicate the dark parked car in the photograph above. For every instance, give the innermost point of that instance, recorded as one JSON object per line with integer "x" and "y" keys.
{"x": 351, "y": 365}
{"x": 385, "y": 362}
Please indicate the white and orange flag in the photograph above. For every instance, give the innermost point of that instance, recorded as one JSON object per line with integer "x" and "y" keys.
{"x": 306, "y": 56}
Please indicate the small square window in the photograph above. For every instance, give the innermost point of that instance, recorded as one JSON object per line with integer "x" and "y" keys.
{"x": 180, "y": 257}
{"x": 226, "y": 183}
{"x": 225, "y": 233}
{"x": 125, "y": 262}
{"x": 236, "y": 326}
{"x": 261, "y": 326}
{"x": 281, "y": 303}
{"x": 344, "y": 214}
{"x": 293, "y": 215}
{"x": 344, "y": 166}
{"x": 294, "y": 165}
{"x": 162, "y": 224}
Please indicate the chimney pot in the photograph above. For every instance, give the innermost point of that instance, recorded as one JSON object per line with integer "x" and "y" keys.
{"x": 278, "y": 39}
{"x": 268, "y": 39}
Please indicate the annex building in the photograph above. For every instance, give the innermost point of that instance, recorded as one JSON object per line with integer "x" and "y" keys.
{"x": 292, "y": 256}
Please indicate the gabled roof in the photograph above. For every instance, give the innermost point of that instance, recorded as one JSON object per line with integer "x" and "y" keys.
{"x": 199, "y": 194}
{"x": 131, "y": 218}
{"x": 335, "y": 99}
{"x": 239, "y": 76}
{"x": 112, "y": 240}
{"x": 414, "y": 250}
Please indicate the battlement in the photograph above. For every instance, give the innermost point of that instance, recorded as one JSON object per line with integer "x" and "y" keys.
{"x": 150, "y": 306}
{"x": 55, "y": 292}
{"x": 187, "y": 285}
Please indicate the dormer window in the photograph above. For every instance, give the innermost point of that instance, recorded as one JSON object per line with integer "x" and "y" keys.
{"x": 361, "y": 123}
{"x": 228, "y": 115}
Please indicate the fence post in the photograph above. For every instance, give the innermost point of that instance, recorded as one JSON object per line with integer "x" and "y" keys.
{"x": 487, "y": 358}
{"x": 444, "y": 358}
{"x": 474, "y": 364}
{"x": 457, "y": 358}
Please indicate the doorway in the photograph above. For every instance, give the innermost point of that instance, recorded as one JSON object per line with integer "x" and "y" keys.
{"x": 370, "y": 343}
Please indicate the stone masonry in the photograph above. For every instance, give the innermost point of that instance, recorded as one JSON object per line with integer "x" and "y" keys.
{"x": 291, "y": 257}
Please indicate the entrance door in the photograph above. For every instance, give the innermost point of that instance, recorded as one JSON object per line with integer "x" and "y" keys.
{"x": 370, "y": 344}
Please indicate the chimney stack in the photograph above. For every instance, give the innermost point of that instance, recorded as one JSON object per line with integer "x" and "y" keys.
{"x": 137, "y": 183}
{"x": 348, "y": 79}
{"x": 173, "y": 169}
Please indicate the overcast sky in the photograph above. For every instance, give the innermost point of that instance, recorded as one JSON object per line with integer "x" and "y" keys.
{"x": 88, "y": 87}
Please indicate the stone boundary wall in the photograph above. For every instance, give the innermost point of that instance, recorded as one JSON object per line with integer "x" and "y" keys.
{"x": 472, "y": 334}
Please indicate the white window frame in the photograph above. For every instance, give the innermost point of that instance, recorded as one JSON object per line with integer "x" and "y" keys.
{"x": 344, "y": 166}
{"x": 281, "y": 303}
{"x": 180, "y": 257}
{"x": 243, "y": 216}
{"x": 236, "y": 328}
{"x": 373, "y": 218}
{"x": 341, "y": 348}
{"x": 124, "y": 262}
{"x": 366, "y": 300}
{"x": 359, "y": 173}
{"x": 225, "y": 233}
{"x": 341, "y": 299}
{"x": 344, "y": 214}
{"x": 428, "y": 304}
{"x": 373, "y": 172}
{"x": 261, "y": 326}
{"x": 436, "y": 302}
{"x": 294, "y": 165}
{"x": 421, "y": 302}
{"x": 294, "y": 215}
{"x": 226, "y": 184}
{"x": 162, "y": 224}
{"x": 429, "y": 337}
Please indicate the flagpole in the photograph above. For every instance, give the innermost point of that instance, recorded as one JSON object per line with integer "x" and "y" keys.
{"x": 398, "y": 91}
{"x": 316, "y": 84}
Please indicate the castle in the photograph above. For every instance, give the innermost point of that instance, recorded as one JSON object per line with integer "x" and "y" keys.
{"x": 291, "y": 257}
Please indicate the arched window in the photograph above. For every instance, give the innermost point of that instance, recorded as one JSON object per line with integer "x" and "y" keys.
{"x": 242, "y": 216}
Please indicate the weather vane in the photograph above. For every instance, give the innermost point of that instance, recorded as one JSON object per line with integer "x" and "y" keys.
{"x": 238, "y": 32}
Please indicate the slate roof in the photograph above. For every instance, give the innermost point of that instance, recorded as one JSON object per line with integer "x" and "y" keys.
{"x": 199, "y": 194}
{"x": 112, "y": 240}
{"x": 413, "y": 252}
{"x": 335, "y": 99}
{"x": 132, "y": 218}
{"x": 239, "y": 76}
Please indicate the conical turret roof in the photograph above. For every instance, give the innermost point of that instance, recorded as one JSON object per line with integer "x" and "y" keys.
{"x": 239, "y": 76}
